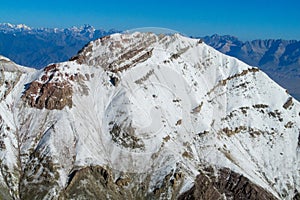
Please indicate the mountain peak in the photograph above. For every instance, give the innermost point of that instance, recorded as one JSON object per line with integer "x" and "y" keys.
{"x": 2, "y": 58}
{"x": 132, "y": 45}
{"x": 22, "y": 27}
{"x": 10, "y": 27}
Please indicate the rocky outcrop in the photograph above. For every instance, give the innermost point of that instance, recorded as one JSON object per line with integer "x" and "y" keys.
{"x": 50, "y": 96}
{"x": 50, "y": 92}
{"x": 10, "y": 75}
{"x": 296, "y": 196}
{"x": 225, "y": 81}
{"x": 97, "y": 182}
{"x": 288, "y": 103}
{"x": 130, "y": 53}
{"x": 125, "y": 137}
{"x": 225, "y": 184}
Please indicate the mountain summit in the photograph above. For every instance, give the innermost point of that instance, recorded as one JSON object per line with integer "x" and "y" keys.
{"x": 145, "y": 116}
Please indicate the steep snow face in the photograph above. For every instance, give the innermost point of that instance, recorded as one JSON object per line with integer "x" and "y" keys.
{"x": 12, "y": 80}
{"x": 153, "y": 109}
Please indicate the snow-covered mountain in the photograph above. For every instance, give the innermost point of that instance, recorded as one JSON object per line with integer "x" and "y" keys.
{"x": 38, "y": 47}
{"x": 7, "y": 27}
{"x": 280, "y": 59}
{"x": 145, "y": 116}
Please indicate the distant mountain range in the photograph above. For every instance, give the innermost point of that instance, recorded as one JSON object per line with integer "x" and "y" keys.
{"x": 38, "y": 47}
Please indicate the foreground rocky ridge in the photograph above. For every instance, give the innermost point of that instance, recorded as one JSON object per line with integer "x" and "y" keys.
{"x": 147, "y": 116}
{"x": 224, "y": 184}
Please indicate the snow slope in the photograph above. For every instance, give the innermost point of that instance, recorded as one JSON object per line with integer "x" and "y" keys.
{"x": 148, "y": 107}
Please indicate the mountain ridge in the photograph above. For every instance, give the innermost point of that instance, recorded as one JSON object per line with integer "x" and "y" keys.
{"x": 38, "y": 47}
{"x": 279, "y": 58}
{"x": 141, "y": 116}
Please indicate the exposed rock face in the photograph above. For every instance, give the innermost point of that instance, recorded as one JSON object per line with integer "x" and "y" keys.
{"x": 49, "y": 92}
{"x": 297, "y": 196}
{"x": 288, "y": 103}
{"x": 225, "y": 184}
{"x": 96, "y": 182}
{"x": 50, "y": 95}
{"x": 122, "y": 54}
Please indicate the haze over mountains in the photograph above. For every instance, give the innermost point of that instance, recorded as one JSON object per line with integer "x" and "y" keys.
{"x": 38, "y": 47}
{"x": 145, "y": 116}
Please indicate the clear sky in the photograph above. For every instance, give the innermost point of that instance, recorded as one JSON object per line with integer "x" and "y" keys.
{"x": 250, "y": 19}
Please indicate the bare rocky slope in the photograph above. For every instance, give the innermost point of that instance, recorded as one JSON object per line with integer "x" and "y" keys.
{"x": 146, "y": 116}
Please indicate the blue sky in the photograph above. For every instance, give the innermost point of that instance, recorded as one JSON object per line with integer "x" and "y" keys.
{"x": 244, "y": 19}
